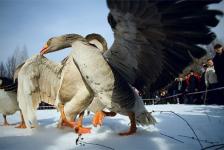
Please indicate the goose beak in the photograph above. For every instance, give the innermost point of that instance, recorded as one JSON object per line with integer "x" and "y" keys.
{"x": 44, "y": 50}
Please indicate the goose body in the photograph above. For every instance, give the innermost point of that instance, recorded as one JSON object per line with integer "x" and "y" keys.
{"x": 150, "y": 38}
{"x": 8, "y": 98}
{"x": 40, "y": 79}
{"x": 113, "y": 91}
{"x": 43, "y": 80}
{"x": 8, "y": 102}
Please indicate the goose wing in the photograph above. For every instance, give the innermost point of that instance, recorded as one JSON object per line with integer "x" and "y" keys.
{"x": 40, "y": 78}
{"x": 155, "y": 40}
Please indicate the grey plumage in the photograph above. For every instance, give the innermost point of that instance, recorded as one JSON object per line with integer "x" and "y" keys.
{"x": 153, "y": 39}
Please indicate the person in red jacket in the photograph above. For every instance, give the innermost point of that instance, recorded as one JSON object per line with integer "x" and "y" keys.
{"x": 193, "y": 86}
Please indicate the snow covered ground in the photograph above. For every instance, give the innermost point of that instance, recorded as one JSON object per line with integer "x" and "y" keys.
{"x": 170, "y": 133}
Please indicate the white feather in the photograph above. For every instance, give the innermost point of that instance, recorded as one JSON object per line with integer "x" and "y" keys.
{"x": 42, "y": 80}
{"x": 36, "y": 83}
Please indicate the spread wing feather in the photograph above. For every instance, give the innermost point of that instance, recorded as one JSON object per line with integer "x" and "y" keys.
{"x": 155, "y": 40}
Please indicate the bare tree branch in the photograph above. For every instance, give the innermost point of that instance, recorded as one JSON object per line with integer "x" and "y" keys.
{"x": 18, "y": 57}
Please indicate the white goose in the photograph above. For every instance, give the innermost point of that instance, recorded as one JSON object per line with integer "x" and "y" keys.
{"x": 8, "y": 100}
{"x": 150, "y": 38}
{"x": 43, "y": 80}
{"x": 40, "y": 79}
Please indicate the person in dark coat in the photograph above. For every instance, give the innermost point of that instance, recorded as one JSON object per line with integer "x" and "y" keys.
{"x": 219, "y": 69}
{"x": 218, "y": 61}
{"x": 179, "y": 87}
{"x": 193, "y": 83}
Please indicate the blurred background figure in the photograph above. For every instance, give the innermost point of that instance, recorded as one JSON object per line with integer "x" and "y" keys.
{"x": 179, "y": 87}
{"x": 211, "y": 82}
{"x": 202, "y": 86}
{"x": 219, "y": 70}
{"x": 193, "y": 80}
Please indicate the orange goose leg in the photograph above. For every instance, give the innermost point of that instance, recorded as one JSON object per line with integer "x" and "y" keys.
{"x": 79, "y": 128}
{"x": 22, "y": 124}
{"x": 133, "y": 127}
{"x": 99, "y": 117}
{"x": 64, "y": 121}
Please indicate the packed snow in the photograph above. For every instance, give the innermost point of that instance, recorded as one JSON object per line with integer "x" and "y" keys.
{"x": 172, "y": 131}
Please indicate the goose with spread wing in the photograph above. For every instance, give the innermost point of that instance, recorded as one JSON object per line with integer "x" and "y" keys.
{"x": 40, "y": 79}
{"x": 154, "y": 42}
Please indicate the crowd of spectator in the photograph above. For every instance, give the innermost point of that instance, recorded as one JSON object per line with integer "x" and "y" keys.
{"x": 203, "y": 87}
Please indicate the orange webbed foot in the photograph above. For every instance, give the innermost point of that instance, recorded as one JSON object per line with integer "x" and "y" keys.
{"x": 82, "y": 130}
{"x": 22, "y": 125}
{"x": 98, "y": 119}
{"x": 71, "y": 124}
{"x": 133, "y": 128}
{"x": 64, "y": 120}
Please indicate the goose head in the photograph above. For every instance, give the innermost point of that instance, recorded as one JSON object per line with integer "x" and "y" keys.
{"x": 98, "y": 41}
{"x": 60, "y": 42}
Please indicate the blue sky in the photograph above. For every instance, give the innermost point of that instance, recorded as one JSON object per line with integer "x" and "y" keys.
{"x": 33, "y": 22}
